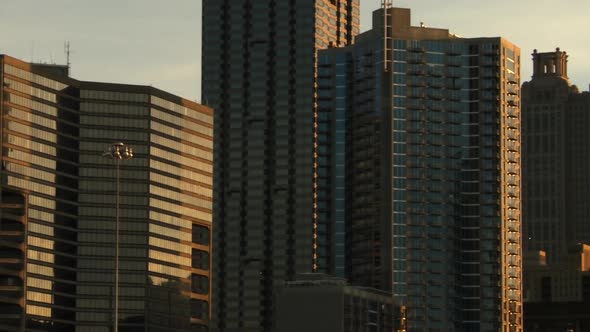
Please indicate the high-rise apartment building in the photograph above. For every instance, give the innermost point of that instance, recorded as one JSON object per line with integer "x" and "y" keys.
{"x": 556, "y": 158}
{"x": 59, "y": 196}
{"x": 259, "y": 75}
{"x": 422, "y": 131}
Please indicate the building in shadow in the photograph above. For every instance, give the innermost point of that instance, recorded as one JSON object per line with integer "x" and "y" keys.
{"x": 556, "y": 158}
{"x": 557, "y": 295}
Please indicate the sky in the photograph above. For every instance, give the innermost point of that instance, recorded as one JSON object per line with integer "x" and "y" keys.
{"x": 155, "y": 42}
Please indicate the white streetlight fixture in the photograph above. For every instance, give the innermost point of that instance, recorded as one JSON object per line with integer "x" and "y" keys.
{"x": 117, "y": 152}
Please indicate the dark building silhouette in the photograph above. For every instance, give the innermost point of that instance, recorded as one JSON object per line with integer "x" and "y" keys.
{"x": 557, "y": 295}
{"x": 556, "y": 158}
{"x": 318, "y": 303}
{"x": 421, "y": 131}
{"x": 556, "y": 198}
{"x": 58, "y": 204}
{"x": 259, "y": 75}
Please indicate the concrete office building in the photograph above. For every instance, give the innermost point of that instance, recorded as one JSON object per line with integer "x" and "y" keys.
{"x": 426, "y": 127}
{"x": 259, "y": 75}
{"x": 556, "y": 158}
{"x": 319, "y": 303}
{"x": 57, "y": 266}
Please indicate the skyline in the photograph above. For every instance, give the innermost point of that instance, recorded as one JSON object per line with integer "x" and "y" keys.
{"x": 394, "y": 164}
{"x": 101, "y": 52}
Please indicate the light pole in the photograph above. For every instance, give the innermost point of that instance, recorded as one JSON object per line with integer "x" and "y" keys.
{"x": 117, "y": 151}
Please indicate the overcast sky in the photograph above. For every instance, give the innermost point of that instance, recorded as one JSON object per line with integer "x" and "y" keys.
{"x": 156, "y": 42}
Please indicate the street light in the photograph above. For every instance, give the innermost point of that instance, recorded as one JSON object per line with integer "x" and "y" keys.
{"x": 117, "y": 152}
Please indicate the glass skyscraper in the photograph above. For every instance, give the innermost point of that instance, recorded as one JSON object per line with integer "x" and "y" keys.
{"x": 259, "y": 75}
{"x": 426, "y": 127}
{"x": 59, "y": 193}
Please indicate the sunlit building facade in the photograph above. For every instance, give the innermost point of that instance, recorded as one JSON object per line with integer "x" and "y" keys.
{"x": 67, "y": 282}
{"x": 425, "y": 126}
{"x": 259, "y": 75}
{"x": 39, "y": 165}
{"x": 166, "y": 208}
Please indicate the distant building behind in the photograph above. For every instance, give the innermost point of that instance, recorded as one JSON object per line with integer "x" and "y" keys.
{"x": 558, "y": 282}
{"x": 556, "y": 158}
{"x": 318, "y": 303}
{"x": 557, "y": 295}
{"x": 422, "y": 131}
{"x": 58, "y": 204}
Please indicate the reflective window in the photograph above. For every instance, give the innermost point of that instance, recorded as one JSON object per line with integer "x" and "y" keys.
{"x": 39, "y": 283}
{"x": 117, "y": 109}
{"x": 183, "y": 135}
{"x": 40, "y": 242}
{"x": 32, "y": 186}
{"x": 170, "y": 245}
{"x": 182, "y": 185}
{"x": 200, "y": 309}
{"x": 180, "y": 171}
{"x": 200, "y": 259}
{"x": 169, "y": 270}
{"x": 199, "y": 284}
{"x": 27, "y": 156}
{"x": 170, "y": 232}
{"x": 27, "y": 89}
{"x": 169, "y": 258}
{"x": 201, "y": 235}
{"x": 38, "y": 311}
{"x": 30, "y": 172}
{"x": 112, "y": 121}
{"x": 40, "y": 256}
{"x": 170, "y": 194}
{"x": 182, "y": 110}
{"x": 28, "y": 76}
{"x": 184, "y": 148}
{"x": 114, "y": 135}
{"x": 31, "y": 145}
{"x": 168, "y": 219}
{"x": 39, "y": 269}
{"x": 30, "y": 117}
{"x": 114, "y": 96}
{"x": 32, "y": 104}
{"x": 32, "y": 132}
{"x": 167, "y": 206}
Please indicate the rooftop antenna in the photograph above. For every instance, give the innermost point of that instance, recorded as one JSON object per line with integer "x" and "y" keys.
{"x": 67, "y": 52}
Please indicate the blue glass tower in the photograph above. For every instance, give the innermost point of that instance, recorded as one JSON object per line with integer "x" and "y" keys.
{"x": 432, "y": 157}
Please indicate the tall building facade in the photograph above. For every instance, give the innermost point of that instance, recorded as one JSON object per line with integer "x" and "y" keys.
{"x": 39, "y": 164}
{"x": 556, "y": 156}
{"x": 54, "y": 132}
{"x": 426, "y": 127}
{"x": 259, "y": 75}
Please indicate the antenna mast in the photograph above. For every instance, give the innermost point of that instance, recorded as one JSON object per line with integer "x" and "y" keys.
{"x": 67, "y": 52}
{"x": 386, "y": 5}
